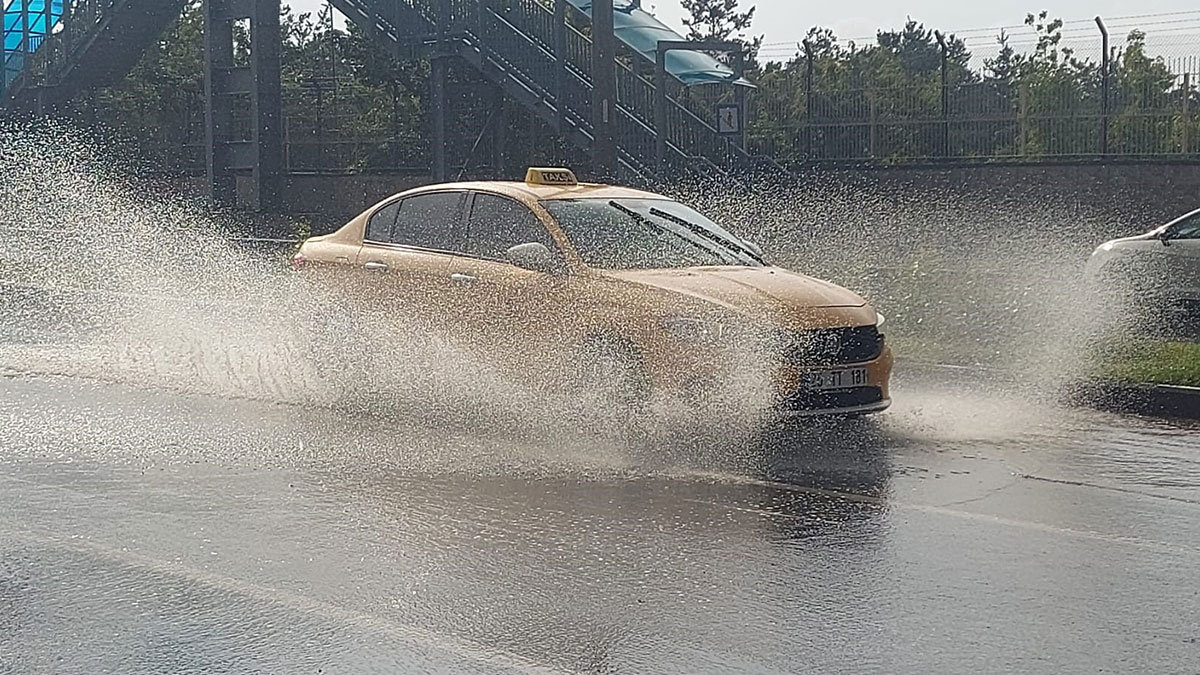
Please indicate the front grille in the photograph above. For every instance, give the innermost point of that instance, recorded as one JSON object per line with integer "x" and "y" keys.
{"x": 836, "y": 398}
{"x": 834, "y": 346}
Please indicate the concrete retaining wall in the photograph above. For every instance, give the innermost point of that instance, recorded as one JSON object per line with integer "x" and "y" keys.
{"x": 1134, "y": 195}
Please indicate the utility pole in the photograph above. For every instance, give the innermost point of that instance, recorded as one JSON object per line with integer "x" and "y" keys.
{"x": 604, "y": 88}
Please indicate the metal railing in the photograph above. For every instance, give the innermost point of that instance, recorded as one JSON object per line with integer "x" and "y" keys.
{"x": 46, "y": 57}
{"x": 520, "y": 36}
{"x": 1089, "y": 109}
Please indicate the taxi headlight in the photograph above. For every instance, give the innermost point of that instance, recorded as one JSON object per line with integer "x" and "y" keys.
{"x": 879, "y": 319}
{"x": 694, "y": 330}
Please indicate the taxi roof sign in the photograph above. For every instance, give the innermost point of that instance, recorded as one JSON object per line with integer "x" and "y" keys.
{"x": 544, "y": 176}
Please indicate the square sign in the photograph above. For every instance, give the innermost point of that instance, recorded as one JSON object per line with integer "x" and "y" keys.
{"x": 729, "y": 119}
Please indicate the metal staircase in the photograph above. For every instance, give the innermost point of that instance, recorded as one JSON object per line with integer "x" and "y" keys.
{"x": 26, "y": 24}
{"x": 544, "y": 64}
{"x": 90, "y": 43}
{"x": 55, "y": 49}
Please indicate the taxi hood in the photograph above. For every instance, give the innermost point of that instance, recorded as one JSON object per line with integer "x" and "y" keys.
{"x": 763, "y": 291}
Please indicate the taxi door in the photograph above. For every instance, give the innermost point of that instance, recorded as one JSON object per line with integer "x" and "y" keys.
{"x": 519, "y": 318}
{"x": 405, "y": 256}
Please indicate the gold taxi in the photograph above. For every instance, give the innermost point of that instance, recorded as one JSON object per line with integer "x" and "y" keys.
{"x": 609, "y": 289}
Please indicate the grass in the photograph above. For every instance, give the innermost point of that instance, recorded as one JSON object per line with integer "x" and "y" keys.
{"x": 1159, "y": 363}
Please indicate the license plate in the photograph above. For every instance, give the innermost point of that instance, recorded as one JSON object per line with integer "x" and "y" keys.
{"x": 835, "y": 379}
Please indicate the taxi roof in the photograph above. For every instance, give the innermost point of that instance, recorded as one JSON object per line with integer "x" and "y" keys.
{"x": 523, "y": 190}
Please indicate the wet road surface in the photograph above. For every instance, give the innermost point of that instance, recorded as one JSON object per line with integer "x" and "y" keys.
{"x": 145, "y": 530}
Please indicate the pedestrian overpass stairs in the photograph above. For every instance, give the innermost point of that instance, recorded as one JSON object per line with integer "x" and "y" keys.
{"x": 53, "y": 49}
{"x": 516, "y": 45}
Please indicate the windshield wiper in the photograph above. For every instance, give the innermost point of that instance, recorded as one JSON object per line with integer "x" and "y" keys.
{"x": 721, "y": 253}
{"x": 706, "y": 233}
{"x": 631, "y": 213}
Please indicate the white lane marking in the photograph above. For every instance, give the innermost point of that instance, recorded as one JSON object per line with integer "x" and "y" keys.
{"x": 1109, "y": 488}
{"x": 298, "y": 603}
{"x": 1092, "y": 535}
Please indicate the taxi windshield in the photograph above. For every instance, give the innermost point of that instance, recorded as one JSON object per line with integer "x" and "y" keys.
{"x": 646, "y": 234}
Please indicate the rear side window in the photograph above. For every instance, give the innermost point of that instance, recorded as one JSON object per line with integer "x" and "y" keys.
{"x": 379, "y": 227}
{"x": 429, "y": 221}
{"x": 499, "y": 223}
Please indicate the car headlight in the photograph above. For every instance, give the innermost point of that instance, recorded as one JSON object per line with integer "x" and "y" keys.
{"x": 694, "y": 329}
{"x": 879, "y": 319}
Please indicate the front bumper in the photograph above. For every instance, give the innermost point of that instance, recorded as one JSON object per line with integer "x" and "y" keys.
{"x": 699, "y": 379}
{"x": 793, "y": 400}
{"x": 864, "y": 409}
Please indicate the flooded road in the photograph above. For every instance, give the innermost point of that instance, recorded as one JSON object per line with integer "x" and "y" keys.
{"x": 148, "y": 530}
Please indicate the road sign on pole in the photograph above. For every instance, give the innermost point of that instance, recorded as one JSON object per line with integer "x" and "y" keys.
{"x": 729, "y": 119}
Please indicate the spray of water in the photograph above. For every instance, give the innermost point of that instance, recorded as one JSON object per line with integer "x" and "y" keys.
{"x": 966, "y": 278}
{"x": 101, "y": 278}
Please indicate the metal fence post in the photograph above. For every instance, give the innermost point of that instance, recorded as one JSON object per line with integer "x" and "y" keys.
{"x": 944, "y": 141}
{"x": 1186, "y": 121}
{"x": 1103, "y": 87}
{"x": 872, "y": 125}
{"x": 808, "y": 101}
{"x": 1023, "y": 117}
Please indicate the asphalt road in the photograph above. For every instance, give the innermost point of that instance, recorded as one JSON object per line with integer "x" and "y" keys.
{"x": 150, "y": 530}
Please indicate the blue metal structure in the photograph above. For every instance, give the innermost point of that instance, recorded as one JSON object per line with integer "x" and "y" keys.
{"x": 55, "y": 49}
{"x": 27, "y": 23}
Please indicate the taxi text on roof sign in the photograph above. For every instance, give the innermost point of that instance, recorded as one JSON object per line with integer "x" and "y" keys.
{"x": 539, "y": 176}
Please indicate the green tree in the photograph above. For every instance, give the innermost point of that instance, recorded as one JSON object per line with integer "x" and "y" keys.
{"x": 1142, "y": 86}
{"x": 720, "y": 20}
{"x": 160, "y": 105}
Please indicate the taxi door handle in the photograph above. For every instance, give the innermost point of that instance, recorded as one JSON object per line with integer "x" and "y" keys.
{"x": 461, "y": 278}
{"x": 375, "y": 266}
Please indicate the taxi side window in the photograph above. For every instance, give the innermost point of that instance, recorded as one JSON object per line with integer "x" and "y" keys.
{"x": 379, "y": 227}
{"x": 429, "y": 221}
{"x": 499, "y": 223}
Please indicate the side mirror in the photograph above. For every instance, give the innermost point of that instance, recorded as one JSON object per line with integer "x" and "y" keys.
{"x": 1165, "y": 237}
{"x": 533, "y": 256}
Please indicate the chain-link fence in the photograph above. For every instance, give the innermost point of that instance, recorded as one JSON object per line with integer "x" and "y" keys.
{"x": 1042, "y": 94}
{"x": 1046, "y": 96}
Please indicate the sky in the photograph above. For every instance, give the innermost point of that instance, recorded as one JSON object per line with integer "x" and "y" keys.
{"x": 1173, "y": 25}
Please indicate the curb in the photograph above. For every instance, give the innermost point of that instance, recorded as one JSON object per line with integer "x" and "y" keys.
{"x": 1141, "y": 398}
{"x": 1160, "y": 400}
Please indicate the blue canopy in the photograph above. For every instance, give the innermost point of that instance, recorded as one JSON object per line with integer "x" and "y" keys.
{"x": 639, "y": 30}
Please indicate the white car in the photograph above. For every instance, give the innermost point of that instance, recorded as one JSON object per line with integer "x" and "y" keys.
{"x": 1157, "y": 272}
